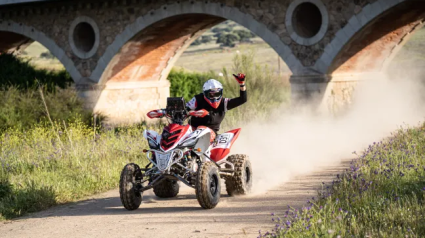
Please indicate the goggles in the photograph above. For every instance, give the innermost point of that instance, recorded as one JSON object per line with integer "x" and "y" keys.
{"x": 214, "y": 94}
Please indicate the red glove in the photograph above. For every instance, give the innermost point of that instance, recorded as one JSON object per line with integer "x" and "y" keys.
{"x": 240, "y": 78}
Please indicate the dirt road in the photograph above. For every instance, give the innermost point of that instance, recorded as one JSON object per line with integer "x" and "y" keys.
{"x": 104, "y": 216}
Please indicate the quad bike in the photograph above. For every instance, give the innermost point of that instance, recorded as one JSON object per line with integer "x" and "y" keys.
{"x": 193, "y": 157}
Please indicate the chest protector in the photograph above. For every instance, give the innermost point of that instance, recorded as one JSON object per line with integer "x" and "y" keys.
{"x": 215, "y": 117}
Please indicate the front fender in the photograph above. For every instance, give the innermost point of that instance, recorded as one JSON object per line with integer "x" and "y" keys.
{"x": 149, "y": 134}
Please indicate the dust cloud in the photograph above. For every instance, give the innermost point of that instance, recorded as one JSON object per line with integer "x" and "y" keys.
{"x": 299, "y": 142}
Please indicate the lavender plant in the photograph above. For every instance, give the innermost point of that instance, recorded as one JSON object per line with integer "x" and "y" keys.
{"x": 382, "y": 194}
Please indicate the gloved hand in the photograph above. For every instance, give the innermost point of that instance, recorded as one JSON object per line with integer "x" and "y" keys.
{"x": 240, "y": 78}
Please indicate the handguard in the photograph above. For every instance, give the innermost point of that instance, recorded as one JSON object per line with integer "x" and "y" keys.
{"x": 199, "y": 113}
{"x": 156, "y": 114}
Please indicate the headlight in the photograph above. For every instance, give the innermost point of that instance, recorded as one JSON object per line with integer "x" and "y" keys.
{"x": 189, "y": 143}
{"x": 152, "y": 144}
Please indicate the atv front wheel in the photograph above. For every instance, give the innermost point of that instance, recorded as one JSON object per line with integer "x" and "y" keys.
{"x": 167, "y": 188}
{"x": 241, "y": 181}
{"x": 130, "y": 197}
{"x": 208, "y": 185}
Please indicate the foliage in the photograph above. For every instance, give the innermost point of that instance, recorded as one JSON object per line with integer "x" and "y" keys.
{"x": 24, "y": 109}
{"x": 244, "y": 34}
{"x": 222, "y": 29}
{"x": 382, "y": 195}
{"x": 47, "y": 55}
{"x": 47, "y": 165}
{"x": 21, "y": 74}
{"x": 266, "y": 90}
{"x": 44, "y": 164}
{"x": 187, "y": 84}
{"x": 228, "y": 39}
{"x": 206, "y": 39}
{"x": 196, "y": 42}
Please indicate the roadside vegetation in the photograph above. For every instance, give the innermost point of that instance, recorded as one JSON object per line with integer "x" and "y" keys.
{"x": 382, "y": 194}
{"x": 60, "y": 155}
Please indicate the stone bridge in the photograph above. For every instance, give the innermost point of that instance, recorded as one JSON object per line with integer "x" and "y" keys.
{"x": 119, "y": 52}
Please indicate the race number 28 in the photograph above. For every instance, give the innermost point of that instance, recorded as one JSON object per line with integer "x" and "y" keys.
{"x": 224, "y": 139}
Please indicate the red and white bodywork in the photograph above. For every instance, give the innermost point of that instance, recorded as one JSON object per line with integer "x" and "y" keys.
{"x": 176, "y": 139}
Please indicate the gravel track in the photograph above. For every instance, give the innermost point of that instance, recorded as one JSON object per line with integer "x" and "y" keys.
{"x": 103, "y": 215}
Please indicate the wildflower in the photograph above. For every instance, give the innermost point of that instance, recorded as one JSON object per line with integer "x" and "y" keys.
{"x": 319, "y": 221}
{"x": 330, "y": 231}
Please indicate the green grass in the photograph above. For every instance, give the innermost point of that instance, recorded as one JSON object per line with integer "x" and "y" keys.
{"x": 381, "y": 195}
{"x": 44, "y": 164}
{"x": 48, "y": 165}
{"x": 23, "y": 109}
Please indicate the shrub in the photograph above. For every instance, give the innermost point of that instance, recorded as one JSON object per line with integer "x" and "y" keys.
{"x": 196, "y": 42}
{"x": 47, "y": 55}
{"x": 42, "y": 166}
{"x": 244, "y": 34}
{"x": 266, "y": 90}
{"x": 206, "y": 39}
{"x": 187, "y": 84}
{"x": 381, "y": 195}
{"x": 228, "y": 40}
{"x": 24, "y": 109}
{"x": 16, "y": 72}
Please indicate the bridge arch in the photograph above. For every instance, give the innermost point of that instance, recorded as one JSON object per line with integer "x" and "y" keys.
{"x": 195, "y": 18}
{"x": 371, "y": 39}
{"x": 29, "y": 34}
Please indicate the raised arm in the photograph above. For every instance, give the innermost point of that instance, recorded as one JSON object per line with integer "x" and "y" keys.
{"x": 236, "y": 102}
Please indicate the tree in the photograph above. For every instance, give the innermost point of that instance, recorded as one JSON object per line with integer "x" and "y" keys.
{"x": 228, "y": 40}
{"x": 244, "y": 35}
{"x": 196, "y": 42}
{"x": 206, "y": 39}
{"x": 222, "y": 29}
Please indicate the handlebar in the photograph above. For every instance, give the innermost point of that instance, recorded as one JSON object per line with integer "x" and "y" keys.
{"x": 160, "y": 113}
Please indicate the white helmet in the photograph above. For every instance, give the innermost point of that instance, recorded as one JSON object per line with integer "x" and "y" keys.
{"x": 212, "y": 84}
{"x": 213, "y": 92}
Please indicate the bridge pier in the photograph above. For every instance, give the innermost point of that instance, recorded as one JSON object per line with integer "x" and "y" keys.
{"x": 125, "y": 102}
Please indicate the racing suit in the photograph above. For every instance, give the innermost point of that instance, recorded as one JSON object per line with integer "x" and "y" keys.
{"x": 216, "y": 115}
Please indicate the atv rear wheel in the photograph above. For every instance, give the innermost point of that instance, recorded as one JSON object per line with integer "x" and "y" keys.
{"x": 241, "y": 181}
{"x": 167, "y": 188}
{"x": 208, "y": 185}
{"x": 130, "y": 197}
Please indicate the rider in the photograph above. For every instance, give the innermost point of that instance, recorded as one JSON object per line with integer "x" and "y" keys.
{"x": 212, "y": 100}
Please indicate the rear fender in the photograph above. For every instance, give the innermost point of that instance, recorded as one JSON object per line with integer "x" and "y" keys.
{"x": 198, "y": 133}
{"x": 223, "y": 144}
